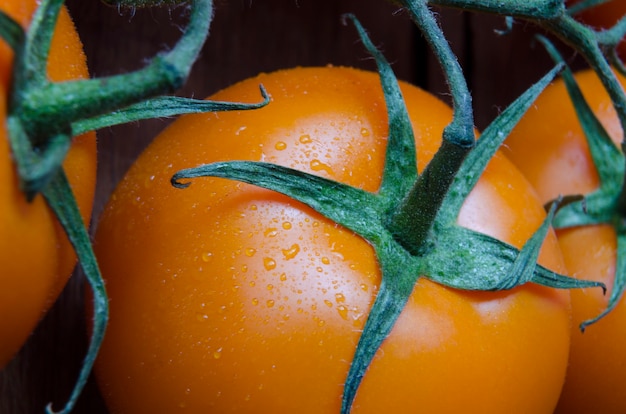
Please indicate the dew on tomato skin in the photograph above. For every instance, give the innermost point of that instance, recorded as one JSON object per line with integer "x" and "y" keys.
{"x": 148, "y": 181}
{"x": 343, "y": 312}
{"x": 280, "y": 146}
{"x": 305, "y": 139}
{"x": 250, "y": 251}
{"x": 218, "y": 353}
{"x": 202, "y": 317}
{"x": 270, "y": 303}
{"x": 340, "y": 298}
{"x": 328, "y": 303}
{"x": 365, "y": 132}
{"x": 269, "y": 263}
{"x": 207, "y": 256}
{"x": 271, "y": 232}
{"x": 287, "y": 225}
{"x": 291, "y": 252}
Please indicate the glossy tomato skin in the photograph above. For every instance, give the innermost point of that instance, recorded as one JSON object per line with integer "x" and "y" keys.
{"x": 35, "y": 257}
{"x": 230, "y": 298}
{"x": 550, "y": 148}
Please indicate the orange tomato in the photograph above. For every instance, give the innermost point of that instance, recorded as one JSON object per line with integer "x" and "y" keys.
{"x": 230, "y": 298}
{"x": 36, "y": 258}
{"x": 549, "y": 147}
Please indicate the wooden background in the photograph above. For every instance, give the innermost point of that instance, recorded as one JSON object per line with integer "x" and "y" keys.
{"x": 247, "y": 37}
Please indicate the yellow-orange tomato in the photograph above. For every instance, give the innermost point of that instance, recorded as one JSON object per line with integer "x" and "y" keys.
{"x": 549, "y": 146}
{"x": 35, "y": 256}
{"x": 230, "y": 298}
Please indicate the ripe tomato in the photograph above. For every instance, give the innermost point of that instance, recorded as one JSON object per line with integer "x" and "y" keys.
{"x": 36, "y": 258}
{"x": 548, "y": 145}
{"x": 230, "y": 298}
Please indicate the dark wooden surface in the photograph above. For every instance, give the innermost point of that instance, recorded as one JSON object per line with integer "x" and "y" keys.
{"x": 247, "y": 37}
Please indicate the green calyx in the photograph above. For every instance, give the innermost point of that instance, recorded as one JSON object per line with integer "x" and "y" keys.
{"x": 598, "y": 47}
{"x": 44, "y": 116}
{"x": 411, "y": 222}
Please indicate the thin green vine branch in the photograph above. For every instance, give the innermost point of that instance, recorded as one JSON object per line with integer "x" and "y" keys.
{"x": 460, "y": 132}
{"x": 583, "y": 5}
{"x": 165, "y": 106}
{"x": 59, "y": 197}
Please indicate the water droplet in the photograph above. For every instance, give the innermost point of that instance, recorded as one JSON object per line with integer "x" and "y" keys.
{"x": 305, "y": 139}
{"x": 328, "y": 303}
{"x": 218, "y": 353}
{"x": 269, "y": 263}
{"x": 317, "y": 165}
{"x": 365, "y": 132}
{"x": 255, "y": 301}
{"x": 283, "y": 277}
{"x": 287, "y": 225}
{"x": 253, "y": 207}
{"x": 340, "y": 298}
{"x": 291, "y": 252}
{"x": 250, "y": 251}
{"x": 202, "y": 317}
{"x": 280, "y": 146}
{"x": 321, "y": 322}
{"x": 270, "y": 287}
{"x": 325, "y": 260}
{"x": 271, "y": 232}
{"x": 148, "y": 181}
{"x": 207, "y": 256}
{"x": 343, "y": 312}
{"x": 364, "y": 287}
{"x": 270, "y": 303}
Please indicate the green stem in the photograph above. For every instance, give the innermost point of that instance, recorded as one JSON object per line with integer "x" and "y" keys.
{"x": 584, "y": 5}
{"x": 64, "y": 103}
{"x": 584, "y": 41}
{"x": 461, "y": 129}
{"x": 59, "y": 197}
{"x": 412, "y": 219}
{"x": 545, "y": 9}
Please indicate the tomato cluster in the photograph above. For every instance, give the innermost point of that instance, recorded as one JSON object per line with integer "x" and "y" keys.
{"x": 247, "y": 253}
